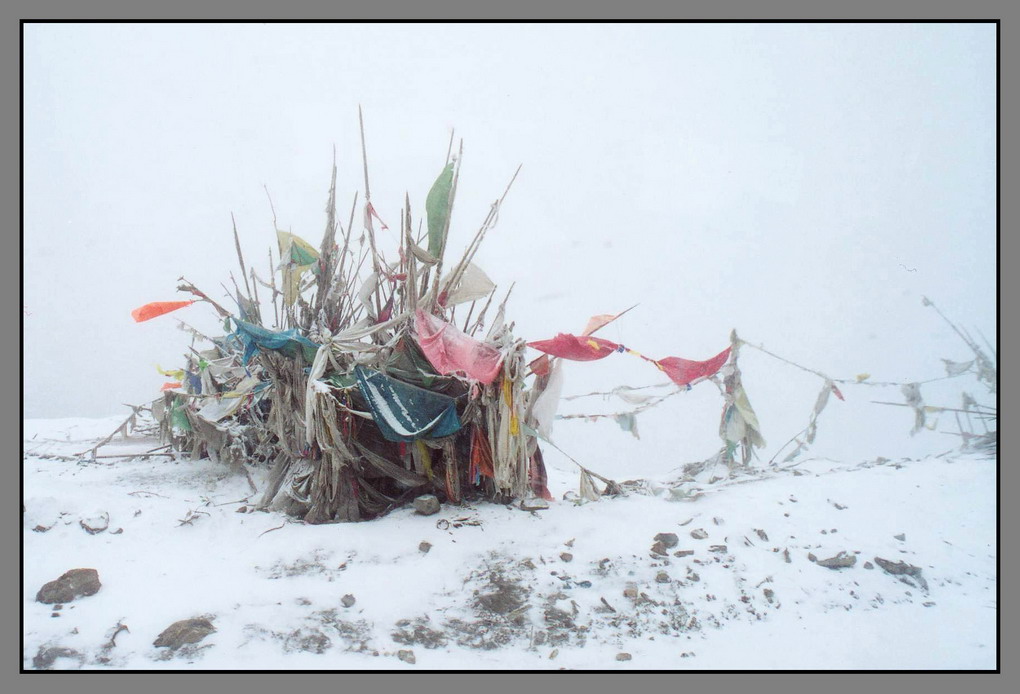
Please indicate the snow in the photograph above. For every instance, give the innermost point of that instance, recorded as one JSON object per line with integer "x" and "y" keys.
{"x": 273, "y": 587}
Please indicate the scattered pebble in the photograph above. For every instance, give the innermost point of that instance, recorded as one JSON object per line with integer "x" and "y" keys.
{"x": 761, "y": 533}
{"x": 555, "y": 652}
{"x": 699, "y": 534}
{"x": 72, "y": 584}
{"x": 630, "y": 591}
{"x": 683, "y": 553}
{"x": 660, "y": 549}
{"x": 426, "y": 505}
{"x": 567, "y": 556}
{"x": 184, "y": 632}
{"x": 667, "y": 539}
{"x": 868, "y": 565}
{"x": 811, "y": 557}
{"x": 424, "y": 547}
{"x": 623, "y": 656}
{"x": 662, "y": 577}
{"x": 407, "y": 656}
{"x": 840, "y": 561}
{"x": 348, "y": 600}
{"x": 901, "y": 537}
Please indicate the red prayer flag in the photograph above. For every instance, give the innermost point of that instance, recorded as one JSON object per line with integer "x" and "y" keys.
{"x": 158, "y": 308}
{"x": 683, "y": 371}
{"x": 170, "y": 385}
{"x": 576, "y": 348}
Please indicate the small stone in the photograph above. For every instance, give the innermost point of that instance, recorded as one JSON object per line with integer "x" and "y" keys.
{"x": 683, "y": 553}
{"x": 95, "y": 524}
{"x": 407, "y": 656}
{"x": 660, "y": 549}
{"x": 348, "y": 600}
{"x": 761, "y": 534}
{"x": 426, "y": 505}
{"x": 825, "y": 532}
{"x": 58, "y": 607}
{"x": 769, "y": 594}
{"x": 668, "y": 539}
{"x": 535, "y": 504}
{"x": 786, "y": 555}
{"x": 719, "y": 549}
{"x": 901, "y": 568}
{"x": 868, "y": 565}
{"x": 623, "y": 656}
{"x": 73, "y": 584}
{"x": 118, "y": 531}
{"x": 184, "y": 632}
{"x": 662, "y": 577}
{"x": 699, "y": 534}
{"x": 718, "y": 521}
{"x": 693, "y": 576}
{"x": 566, "y": 556}
{"x": 832, "y": 530}
{"x": 630, "y": 591}
{"x": 555, "y": 652}
{"x": 424, "y": 547}
{"x": 811, "y": 557}
{"x": 840, "y": 561}
{"x": 45, "y": 658}
{"x": 901, "y": 537}
{"x": 584, "y": 584}
{"x": 241, "y": 509}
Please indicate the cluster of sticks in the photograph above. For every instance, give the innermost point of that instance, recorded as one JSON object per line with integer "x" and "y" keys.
{"x": 302, "y": 412}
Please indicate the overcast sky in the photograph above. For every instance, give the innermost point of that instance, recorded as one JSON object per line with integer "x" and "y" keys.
{"x": 804, "y": 184}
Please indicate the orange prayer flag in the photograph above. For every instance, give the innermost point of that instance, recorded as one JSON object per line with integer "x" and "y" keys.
{"x": 158, "y": 308}
{"x": 170, "y": 385}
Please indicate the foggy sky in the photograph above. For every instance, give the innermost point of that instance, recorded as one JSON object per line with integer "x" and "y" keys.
{"x": 804, "y": 184}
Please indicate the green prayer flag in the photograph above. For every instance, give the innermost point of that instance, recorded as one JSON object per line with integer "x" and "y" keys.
{"x": 437, "y": 208}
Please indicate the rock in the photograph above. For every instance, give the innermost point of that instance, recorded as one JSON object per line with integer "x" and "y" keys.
{"x": 840, "y": 561}
{"x": 73, "y": 584}
{"x": 769, "y": 594}
{"x": 95, "y": 524}
{"x": 811, "y": 557}
{"x": 45, "y": 658}
{"x": 693, "y": 576}
{"x": 184, "y": 632}
{"x": 719, "y": 549}
{"x": 699, "y": 534}
{"x": 407, "y": 656}
{"x": 718, "y": 521}
{"x": 901, "y": 537}
{"x": 761, "y": 534}
{"x": 786, "y": 555}
{"x": 584, "y": 584}
{"x": 241, "y": 509}
{"x": 683, "y": 553}
{"x": 668, "y": 539}
{"x": 348, "y": 600}
{"x": 426, "y": 505}
{"x": 623, "y": 656}
{"x": 901, "y": 568}
{"x": 630, "y": 591}
{"x": 660, "y": 549}
{"x": 662, "y": 577}
{"x": 535, "y": 504}
{"x": 868, "y": 565}
{"x": 555, "y": 652}
{"x": 566, "y": 556}
{"x": 424, "y": 547}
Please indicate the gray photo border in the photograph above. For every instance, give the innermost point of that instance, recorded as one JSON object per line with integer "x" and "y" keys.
{"x": 227, "y": 683}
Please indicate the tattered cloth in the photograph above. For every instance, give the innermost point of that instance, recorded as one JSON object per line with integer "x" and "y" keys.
{"x": 585, "y": 348}
{"x": 404, "y": 412}
{"x": 288, "y": 342}
{"x": 684, "y": 371}
{"x": 450, "y": 351}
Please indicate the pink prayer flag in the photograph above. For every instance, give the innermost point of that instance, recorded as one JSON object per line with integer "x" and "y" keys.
{"x": 450, "y": 351}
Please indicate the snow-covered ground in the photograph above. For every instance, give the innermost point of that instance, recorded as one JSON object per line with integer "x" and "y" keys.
{"x": 574, "y": 586}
